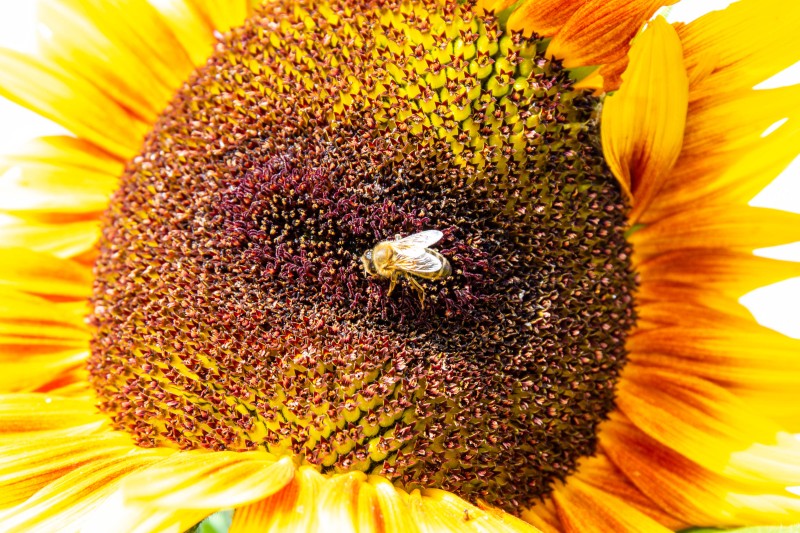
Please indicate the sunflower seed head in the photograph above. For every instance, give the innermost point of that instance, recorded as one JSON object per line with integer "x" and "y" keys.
{"x": 231, "y": 307}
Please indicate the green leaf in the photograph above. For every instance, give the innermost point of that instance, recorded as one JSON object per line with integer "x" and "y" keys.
{"x": 757, "y": 529}
{"x": 633, "y": 229}
{"x": 216, "y": 523}
{"x": 579, "y": 73}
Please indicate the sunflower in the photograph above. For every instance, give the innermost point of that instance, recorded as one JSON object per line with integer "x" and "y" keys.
{"x": 187, "y": 326}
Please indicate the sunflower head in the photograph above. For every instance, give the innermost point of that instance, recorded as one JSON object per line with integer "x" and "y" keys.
{"x": 242, "y": 358}
{"x": 230, "y": 304}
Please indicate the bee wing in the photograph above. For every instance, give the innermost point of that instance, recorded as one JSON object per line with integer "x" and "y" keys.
{"x": 414, "y": 245}
{"x": 417, "y": 264}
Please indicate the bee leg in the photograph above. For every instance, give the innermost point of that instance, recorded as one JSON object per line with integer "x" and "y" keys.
{"x": 392, "y": 284}
{"x": 418, "y": 288}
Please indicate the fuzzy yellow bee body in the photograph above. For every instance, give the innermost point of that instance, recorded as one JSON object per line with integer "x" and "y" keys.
{"x": 409, "y": 257}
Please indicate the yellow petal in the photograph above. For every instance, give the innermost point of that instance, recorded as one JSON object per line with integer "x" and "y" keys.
{"x": 128, "y": 35}
{"x": 37, "y": 334}
{"x": 22, "y": 314}
{"x": 72, "y": 498}
{"x": 643, "y": 123}
{"x": 447, "y": 512}
{"x": 71, "y": 102}
{"x": 749, "y": 41}
{"x": 210, "y": 480}
{"x": 347, "y": 504}
{"x": 42, "y": 412}
{"x": 38, "y": 186}
{"x": 224, "y": 14}
{"x": 725, "y": 160}
{"x": 773, "y": 465}
{"x": 290, "y": 509}
{"x": 31, "y": 461}
{"x": 80, "y": 47}
{"x": 772, "y": 400}
{"x": 436, "y": 510}
{"x": 62, "y": 150}
{"x": 356, "y": 502}
{"x": 115, "y": 515}
{"x": 61, "y": 240}
{"x": 393, "y": 506}
{"x": 192, "y": 26}
{"x": 179, "y": 490}
{"x": 43, "y": 274}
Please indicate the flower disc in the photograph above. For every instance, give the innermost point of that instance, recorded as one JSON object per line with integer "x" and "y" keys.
{"x": 231, "y": 308}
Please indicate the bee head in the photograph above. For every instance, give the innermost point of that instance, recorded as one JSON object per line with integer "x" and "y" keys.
{"x": 369, "y": 265}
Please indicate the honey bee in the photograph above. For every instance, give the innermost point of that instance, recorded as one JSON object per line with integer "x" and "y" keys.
{"x": 408, "y": 257}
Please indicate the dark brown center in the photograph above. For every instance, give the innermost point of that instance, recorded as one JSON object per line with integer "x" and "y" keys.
{"x": 231, "y": 306}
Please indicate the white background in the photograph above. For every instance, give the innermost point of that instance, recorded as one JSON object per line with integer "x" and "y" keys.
{"x": 777, "y": 306}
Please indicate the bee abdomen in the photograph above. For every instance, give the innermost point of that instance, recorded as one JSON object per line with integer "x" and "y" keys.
{"x": 443, "y": 272}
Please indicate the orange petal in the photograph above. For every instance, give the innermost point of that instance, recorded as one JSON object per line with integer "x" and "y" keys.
{"x": 685, "y": 489}
{"x": 599, "y": 31}
{"x": 698, "y": 419}
{"x": 731, "y": 274}
{"x": 73, "y": 383}
{"x": 611, "y": 73}
{"x": 725, "y": 349}
{"x": 543, "y": 515}
{"x": 680, "y": 486}
{"x": 643, "y": 123}
{"x": 17, "y": 376}
{"x": 601, "y": 473}
{"x": 545, "y": 17}
{"x": 731, "y": 228}
{"x": 583, "y": 508}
